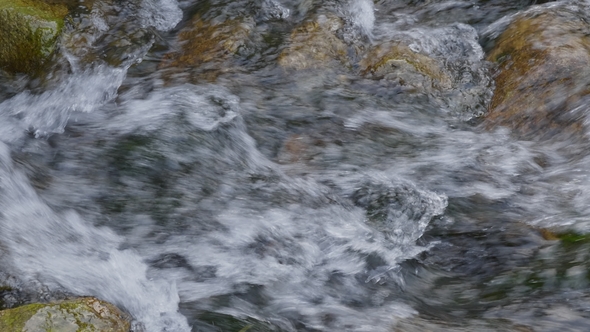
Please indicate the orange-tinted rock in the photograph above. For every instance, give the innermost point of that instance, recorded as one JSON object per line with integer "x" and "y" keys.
{"x": 543, "y": 62}
{"x": 204, "y": 45}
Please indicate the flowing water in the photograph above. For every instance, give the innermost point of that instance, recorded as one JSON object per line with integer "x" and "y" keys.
{"x": 264, "y": 201}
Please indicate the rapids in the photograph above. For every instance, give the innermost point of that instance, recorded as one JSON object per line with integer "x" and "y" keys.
{"x": 181, "y": 203}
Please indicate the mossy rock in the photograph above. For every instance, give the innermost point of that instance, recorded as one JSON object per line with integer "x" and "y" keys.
{"x": 543, "y": 62}
{"x": 567, "y": 238}
{"x": 396, "y": 61}
{"x": 28, "y": 33}
{"x": 79, "y": 315}
{"x": 205, "y": 44}
{"x": 314, "y": 44}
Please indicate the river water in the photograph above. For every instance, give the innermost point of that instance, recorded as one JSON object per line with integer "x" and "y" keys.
{"x": 316, "y": 200}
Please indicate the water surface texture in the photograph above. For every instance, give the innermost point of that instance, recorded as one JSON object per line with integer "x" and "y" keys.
{"x": 244, "y": 195}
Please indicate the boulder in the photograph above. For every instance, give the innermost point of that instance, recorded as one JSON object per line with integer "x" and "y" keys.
{"x": 204, "y": 44}
{"x": 543, "y": 60}
{"x": 314, "y": 44}
{"x": 28, "y": 33}
{"x": 78, "y": 315}
{"x": 397, "y": 62}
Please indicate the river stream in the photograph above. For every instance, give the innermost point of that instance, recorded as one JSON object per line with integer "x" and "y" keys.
{"x": 260, "y": 200}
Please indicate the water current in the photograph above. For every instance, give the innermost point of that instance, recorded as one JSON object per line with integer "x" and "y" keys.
{"x": 316, "y": 200}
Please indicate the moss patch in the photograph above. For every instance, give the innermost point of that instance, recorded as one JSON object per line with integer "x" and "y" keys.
{"x": 79, "y": 315}
{"x": 568, "y": 239}
{"x": 28, "y": 31}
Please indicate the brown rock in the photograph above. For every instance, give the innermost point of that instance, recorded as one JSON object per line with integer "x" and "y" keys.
{"x": 204, "y": 45}
{"x": 395, "y": 61}
{"x": 296, "y": 148}
{"x": 315, "y": 44}
{"x": 544, "y": 71}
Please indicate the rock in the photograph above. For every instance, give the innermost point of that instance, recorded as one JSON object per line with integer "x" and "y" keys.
{"x": 78, "y": 315}
{"x": 315, "y": 44}
{"x": 209, "y": 320}
{"x": 543, "y": 62}
{"x": 396, "y": 61}
{"x": 28, "y": 33}
{"x": 3, "y": 289}
{"x": 204, "y": 44}
{"x": 297, "y": 148}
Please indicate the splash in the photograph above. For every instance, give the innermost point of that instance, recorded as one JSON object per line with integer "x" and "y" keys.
{"x": 362, "y": 13}
{"x": 96, "y": 74}
{"x": 62, "y": 251}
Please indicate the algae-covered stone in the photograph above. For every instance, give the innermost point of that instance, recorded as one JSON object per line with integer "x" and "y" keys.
{"x": 314, "y": 44}
{"x": 204, "y": 44}
{"x": 79, "y": 315}
{"x": 396, "y": 61}
{"x": 544, "y": 70}
{"x": 28, "y": 32}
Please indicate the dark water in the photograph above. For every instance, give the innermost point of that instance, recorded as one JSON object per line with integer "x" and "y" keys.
{"x": 266, "y": 200}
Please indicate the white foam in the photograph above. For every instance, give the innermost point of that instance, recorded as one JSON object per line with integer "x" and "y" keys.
{"x": 362, "y": 13}
{"x": 65, "y": 252}
{"x": 160, "y": 14}
{"x": 49, "y": 111}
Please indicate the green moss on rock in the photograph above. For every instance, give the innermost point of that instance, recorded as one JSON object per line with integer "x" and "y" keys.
{"x": 543, "y": 62}
{"x": 80, "y": 315}
{"x": 568, "y": 238}
{"x": 28, "y": 32}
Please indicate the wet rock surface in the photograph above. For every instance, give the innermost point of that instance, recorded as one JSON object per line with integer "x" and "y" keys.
{"x": 315, "y": 44}
{"x": 28, "y": 33}
{"x": 543, "y": 75}
{"x": 79, "y": 315}
{"x": 205, "y": 46}
{"x": 398, "y": 62}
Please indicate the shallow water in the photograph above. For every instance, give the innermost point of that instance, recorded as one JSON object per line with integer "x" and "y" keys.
{"x": 301, "y": 201}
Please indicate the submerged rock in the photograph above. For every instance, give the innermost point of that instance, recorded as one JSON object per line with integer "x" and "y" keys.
{"x": 205, "y": 44}
{"x": 398, "y": 62}
{"x": 28, "y": 33}
{"x": 221, "y": 322}
{"x": 79, "y": 315}
{"x": 315, "y": 44}
{"x": 543, "y": 62}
